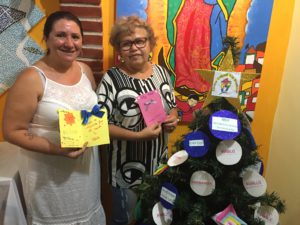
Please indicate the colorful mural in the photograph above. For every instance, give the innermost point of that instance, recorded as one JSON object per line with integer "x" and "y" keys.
{"x": 190, "y": 36}
{"x": 17, "y": 49}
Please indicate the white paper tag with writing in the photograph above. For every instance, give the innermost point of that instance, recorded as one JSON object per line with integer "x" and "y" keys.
{"x": 196, "y": 143}
{"x": 224, "y": 124}
{"x": 167, "y": 195}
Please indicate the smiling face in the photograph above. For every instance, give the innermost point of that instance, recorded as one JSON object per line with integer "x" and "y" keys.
{"x": 135, "y": 48}
{"x": 64, "y": 41}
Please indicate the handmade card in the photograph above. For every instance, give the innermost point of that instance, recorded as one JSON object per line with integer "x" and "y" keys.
{"x": 152, "y": 108}
{"x": 73, "y": 133}
{"x": 228, "y": 217}
{"x": 232, "y": 219}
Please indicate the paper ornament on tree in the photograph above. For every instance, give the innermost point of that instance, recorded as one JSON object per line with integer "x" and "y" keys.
{"x": 229, "y": 152}
{"x": 254, "y": 183}
{"x": 225, "y": 83}
{"x": 161, "y": 215}
{"x": 257, "y": 167}
{"x": 168, "y": 195}
{"x": 196, "y": 144}
{"x": 178, "y": 158}
{"x": 224, "y": 125}
{"x": 268, "y": 214}
{"x": 202, "y": 183}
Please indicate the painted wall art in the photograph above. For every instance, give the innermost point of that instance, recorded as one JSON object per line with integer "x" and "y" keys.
{"x": 17, "y": 49}
{"x": 191, "y": 36}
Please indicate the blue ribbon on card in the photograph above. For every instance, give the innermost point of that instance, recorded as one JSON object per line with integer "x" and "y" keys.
{"x": 85, "y": 115}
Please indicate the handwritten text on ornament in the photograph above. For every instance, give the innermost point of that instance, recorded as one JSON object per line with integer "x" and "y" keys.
{"x": 196, "y": 143}
{"x": 224, "y": 124}
{"x": 167, "y": 195}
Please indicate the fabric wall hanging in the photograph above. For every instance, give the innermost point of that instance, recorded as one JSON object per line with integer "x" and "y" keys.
{"x": 17, "y": 49}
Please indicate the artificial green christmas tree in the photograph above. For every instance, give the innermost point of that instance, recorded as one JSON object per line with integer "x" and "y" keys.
{"x": 193, "y": 209}
{"x": 214, "y": 175}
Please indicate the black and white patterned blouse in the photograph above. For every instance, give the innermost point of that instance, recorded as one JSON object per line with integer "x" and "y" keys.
{"x": 117, "y": 92}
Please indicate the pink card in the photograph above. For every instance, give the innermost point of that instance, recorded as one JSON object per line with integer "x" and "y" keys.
{"x": 152, "y": 108}
{"x": 228, "y": 209}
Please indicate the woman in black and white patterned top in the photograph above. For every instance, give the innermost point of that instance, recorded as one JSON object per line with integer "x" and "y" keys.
{"x": 135, "y": 148}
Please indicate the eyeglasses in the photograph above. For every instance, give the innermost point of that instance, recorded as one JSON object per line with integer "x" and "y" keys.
{"x": 139, "y": 43}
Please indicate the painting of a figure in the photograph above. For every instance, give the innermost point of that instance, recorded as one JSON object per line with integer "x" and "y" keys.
{"x": 191, "y": 36}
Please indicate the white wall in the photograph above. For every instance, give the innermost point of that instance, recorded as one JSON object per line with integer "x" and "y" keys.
{"x": 283, "y": 172}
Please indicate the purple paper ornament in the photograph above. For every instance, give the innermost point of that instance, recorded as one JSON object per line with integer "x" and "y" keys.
{"x": 168, "y": 195}
{"x": 196, "y": 144}
{"x": 224, "y": 125}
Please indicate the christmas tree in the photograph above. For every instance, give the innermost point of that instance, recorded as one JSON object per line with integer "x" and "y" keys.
{"x": 214, "y": 175}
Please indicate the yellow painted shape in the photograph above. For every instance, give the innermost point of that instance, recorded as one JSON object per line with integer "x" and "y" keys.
{"x": 237, "y": 21}
{"x": 157, "y": 17}
{"x": 247, "y": 85}
{"x": 273, "y": 68}
{"x": 180, "y": 130}
{"x": 47, "y": 7}
{"x": 108, "y": 17}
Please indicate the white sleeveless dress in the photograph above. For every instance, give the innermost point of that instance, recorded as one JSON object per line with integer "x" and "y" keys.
{"x": 60, "y": 190}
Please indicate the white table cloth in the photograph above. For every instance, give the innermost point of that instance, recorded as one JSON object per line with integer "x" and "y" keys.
{"x": 11, "y": 211}
{"x": 11, "y": 196}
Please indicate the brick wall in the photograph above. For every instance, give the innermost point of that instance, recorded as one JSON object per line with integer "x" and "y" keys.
{"x": 89, "y": 13}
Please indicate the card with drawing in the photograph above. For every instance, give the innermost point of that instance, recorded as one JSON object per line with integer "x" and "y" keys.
{"x": 151, "y": 107}
{"x": 73, "y": 133}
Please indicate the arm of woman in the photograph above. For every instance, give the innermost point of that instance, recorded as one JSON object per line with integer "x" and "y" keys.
{"x": 172, "y": 120}
{"x": 147, "y": 133}
{"x": 21, "y": 105}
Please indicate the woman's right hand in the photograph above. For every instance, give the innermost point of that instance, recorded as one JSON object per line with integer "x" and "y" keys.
{"x": 151, "y": 132}
{"x": 72, "y": 153}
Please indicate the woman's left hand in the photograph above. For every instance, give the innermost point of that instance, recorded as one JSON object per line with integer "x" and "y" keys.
{"x": 170, "y": 123}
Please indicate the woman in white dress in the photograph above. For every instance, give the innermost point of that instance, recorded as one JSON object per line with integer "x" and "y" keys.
{"x": 61, "y": 186}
